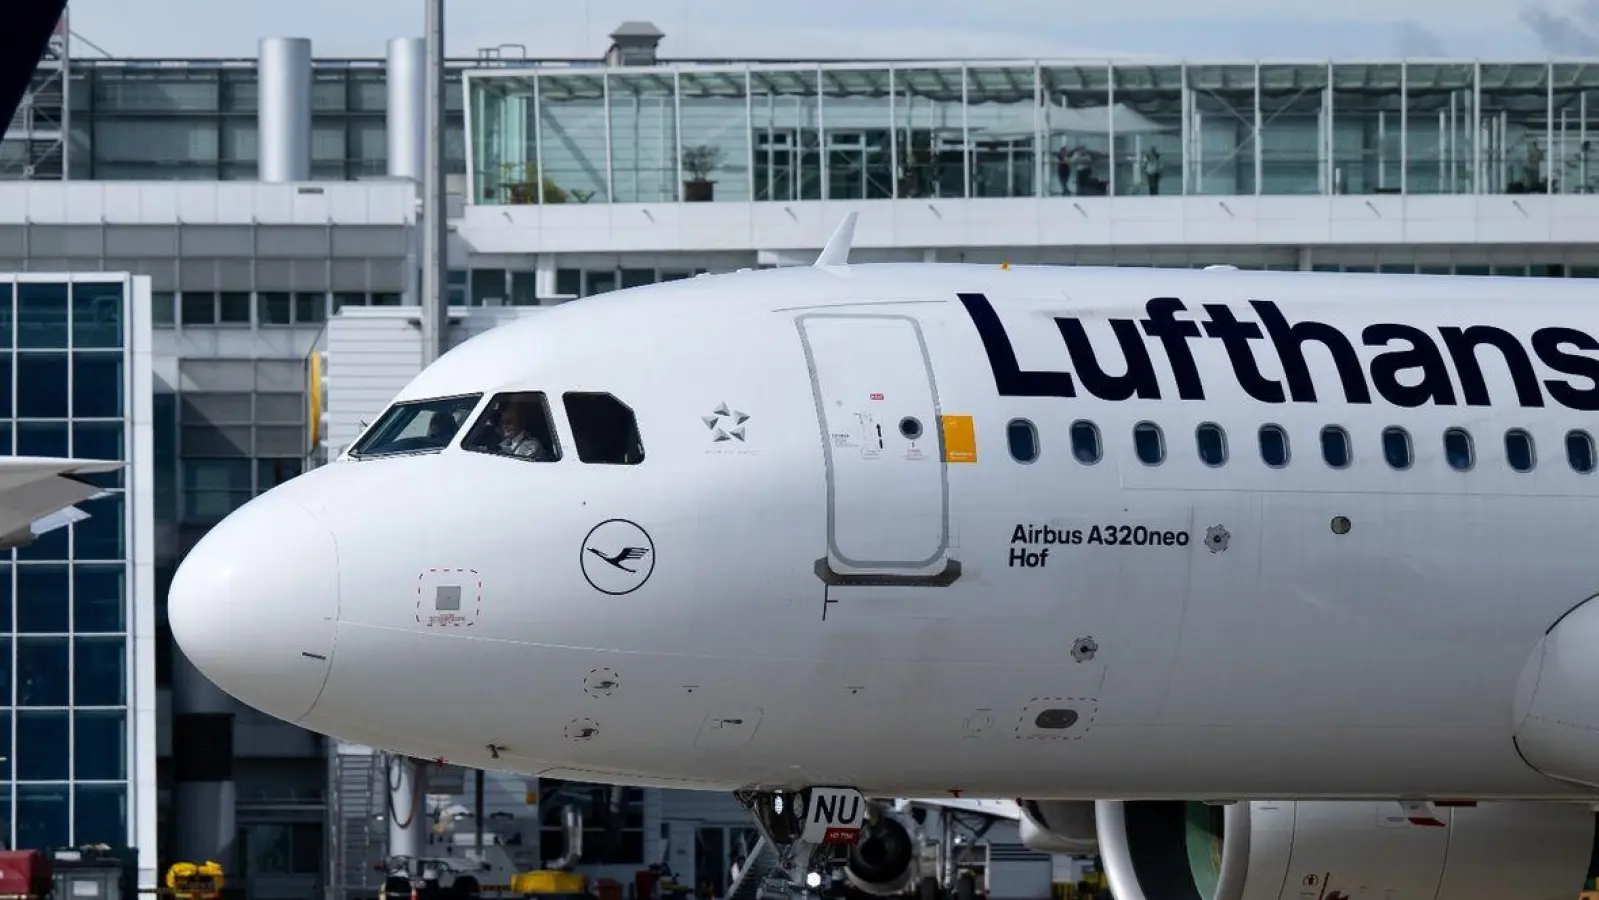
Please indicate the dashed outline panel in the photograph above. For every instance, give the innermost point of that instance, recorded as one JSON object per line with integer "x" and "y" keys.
{"x": 474, "y": 578}
{"x": 1087, "y": 710}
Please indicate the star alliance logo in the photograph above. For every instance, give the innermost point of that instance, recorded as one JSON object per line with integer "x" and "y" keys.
{"x": 726, "y": 424}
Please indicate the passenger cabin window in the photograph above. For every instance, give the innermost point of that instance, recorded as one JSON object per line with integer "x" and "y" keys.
{"x": 1396, "y": 447}
{"x": 516, "y": 425}
{"x": 1212, "y": 444}
{"x": 1149, "y": 444}
{"x": 1457, "y": 449}
{"x": 604, "y": 429}
{"x": 415, "y": 426}
{"x": 1274, "y": 446}
{"x": 1085, "y": 442}
{"x": 1335, "y": 449}
{"x": 1023, "y": 439}
{"x": 1580, "y": 451}
{"x": 1518, "y": 450}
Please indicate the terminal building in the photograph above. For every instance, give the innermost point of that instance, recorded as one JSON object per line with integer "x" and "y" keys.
{"x": 268, "y": 213}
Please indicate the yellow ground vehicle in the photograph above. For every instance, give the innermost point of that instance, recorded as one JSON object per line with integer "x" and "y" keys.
{"x": 191, "y": 881}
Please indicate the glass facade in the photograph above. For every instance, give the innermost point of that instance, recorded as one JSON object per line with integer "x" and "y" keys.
{"x": 977, "y": 130}
{"x": 66, "y": 601}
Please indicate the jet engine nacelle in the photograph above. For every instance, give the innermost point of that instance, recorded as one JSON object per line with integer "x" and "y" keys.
{"x": 1160, "y": 850}
{"x": 884, "y": 860}
{"x": 1058, "y": 826}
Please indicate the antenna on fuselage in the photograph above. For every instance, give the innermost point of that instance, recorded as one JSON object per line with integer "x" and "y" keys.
{"x": 836, "y": 253}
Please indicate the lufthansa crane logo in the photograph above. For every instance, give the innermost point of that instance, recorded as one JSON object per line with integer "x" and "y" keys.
{"x": 617, "y": 557}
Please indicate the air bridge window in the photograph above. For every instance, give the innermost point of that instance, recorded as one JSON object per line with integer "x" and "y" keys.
{"x": 1396, "y": 447}
{"x": 1457, "y": 449}
{"x": 415, "y": 426}
{"x": 1149, "y": 444}
{"x": 1212, "y": 444}
{"x": 604, "y": 428}
{"x": 516, "y": 425}
{"x": 1335, "y": 449}
{"x": 1274, "y": 446}
{"x": 1580, "y": 451}
{"x": 1023, "y": 440}
{"x": 1085, "y": 442}
{"x": 1518, "y": 450}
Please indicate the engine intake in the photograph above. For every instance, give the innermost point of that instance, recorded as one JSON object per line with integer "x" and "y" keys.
{"x": 1169, "y": 850}
{"x": 884, "y": 859}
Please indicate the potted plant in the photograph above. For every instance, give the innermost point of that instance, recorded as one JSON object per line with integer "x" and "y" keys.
{"x": 519, "y": 183}
{"x": 698, "y": 164}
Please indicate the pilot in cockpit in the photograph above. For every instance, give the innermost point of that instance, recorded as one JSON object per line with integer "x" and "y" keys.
{"x": 514, "y": 437}
{"x": 441, "y": 427}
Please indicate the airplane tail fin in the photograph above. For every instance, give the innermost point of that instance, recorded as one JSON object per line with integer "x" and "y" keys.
{"x": 836, "y": 253}
{"x": 29, "y": 25}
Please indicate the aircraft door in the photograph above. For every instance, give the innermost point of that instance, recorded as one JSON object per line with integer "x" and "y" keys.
{"x": 887, "y": 490}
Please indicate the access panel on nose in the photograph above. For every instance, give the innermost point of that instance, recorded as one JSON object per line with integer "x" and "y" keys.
{"x": 887, "y": 494}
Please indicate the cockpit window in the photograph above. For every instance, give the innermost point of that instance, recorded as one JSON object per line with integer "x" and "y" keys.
{"x": 604, "y": 429}
{"x": 516, "y": 425}
{"x": 415, "y": 426}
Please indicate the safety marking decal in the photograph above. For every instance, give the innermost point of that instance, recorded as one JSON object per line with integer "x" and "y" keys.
{"x": 449, "y": 598}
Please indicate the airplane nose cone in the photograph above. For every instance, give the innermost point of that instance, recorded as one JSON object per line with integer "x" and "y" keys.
{"x": 254, "y": 605}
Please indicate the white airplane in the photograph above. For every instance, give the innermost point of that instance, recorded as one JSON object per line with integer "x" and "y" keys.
{"x": 1316, "y": 548}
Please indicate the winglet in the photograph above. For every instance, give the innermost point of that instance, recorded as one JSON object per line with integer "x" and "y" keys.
{"x": 836, "y": 253}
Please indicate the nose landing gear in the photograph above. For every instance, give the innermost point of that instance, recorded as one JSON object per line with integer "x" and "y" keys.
{"x": 806, "y": 826}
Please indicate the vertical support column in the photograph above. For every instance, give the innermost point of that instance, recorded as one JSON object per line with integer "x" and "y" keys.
{"x": 407, "y": 85}
{"x": 283, "y": 113}
{"x": 202, "y": 784}
{"x": 435, "y": 234}
{"x": 407, "y": 805}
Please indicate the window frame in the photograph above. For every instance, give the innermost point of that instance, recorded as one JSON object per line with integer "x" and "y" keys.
{"x": 1260, "y": 437}
{"x": 1471, "y": 449}
{"x": 1032, "y": 430}
{"x": 1348, "y": 444}
{"x": 1199, "y": 447}
{"x": 1160, "y": 442}
{"x": 1588, "y": 442}
{"x": 1532, "y": 450}
{"x": 1093, "y": 431}
{"x": 577, "y": 441}
{"x": 554, "y": 451}
{"x": 1409, "y": 448}
{"x": 357, "y": 447}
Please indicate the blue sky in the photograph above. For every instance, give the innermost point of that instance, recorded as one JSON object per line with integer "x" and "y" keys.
{"x": 1218, "y": 29}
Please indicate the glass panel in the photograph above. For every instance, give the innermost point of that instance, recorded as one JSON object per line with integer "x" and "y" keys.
{"x": 42, "y": 671}
{"x": 161, "y": 308}
{"x": 415, "y": 426}
{"x": 782, "y": 128}
{"x": 1571, "y": 158}
{"x": 97, "y": 385}
{"x": 5, "y": 385}
{"x": 100, "y": 667}
{"x": 42, "y": 385}
{"x": 1396, "y": 447}
{"x": 516, "y": 425}
{"x": 1001, "y": 117}
{"x": 604, "y": 429}
{"x": 42, "y": 818}
{"x": 7, "y": 317}
{"x": 1149, "y": 129}
{"x": 928, "y": 132}
{"x": 1148, "y": 443}
{"x": 571, "y": 132}
{"x": 1457, "y": 449}
{"x": 1367, "y": 116}
{"x": 97, "y": 314}
{"x": 643, "y": 138}
{"x": 1023, "y": 440}
{"x": 1222, "y": 131}
{"x": 42, "y": 599}
{"x": 100, "y": 814}
{"x": 1515, "y": 128}
{"x": 269, "y": 473}
{"x": 101, "y": 744}
{"x": 1085, "y": 442}
{"x": 99, "y": 598}
{"x": 100, "y": 440}
{"x": 234, "y": 307}
{"x": 1580, "y": 451}
{"x": 1519, "y": 450}
{"x": 273, "y": 308}
{"x": 1292, "y": 134}
{"x": 310, "y": 308}
{"x": 103, "y": 534}
{"x": 1438, "y": 126}
{"x": 860, "y": 163}
{"x": 42, "y": 438}
{"x": 714, "y": 135}
{"x": 1335, "y": 446}
{"x": 1212, "y": 444}
{"x": 1076, "y": 124}
{"x": 42, "y": 747}
{"x": 197, "y": 308}
{"x": 42, "y": 314}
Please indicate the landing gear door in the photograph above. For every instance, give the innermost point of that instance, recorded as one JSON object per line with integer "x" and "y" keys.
{"x": 887, "y": 488}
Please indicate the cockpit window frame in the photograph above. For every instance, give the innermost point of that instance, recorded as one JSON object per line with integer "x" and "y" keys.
{"x": 359, "y": 449}
{"x": 584, "y": 451}
{"x": 488, "y": 418}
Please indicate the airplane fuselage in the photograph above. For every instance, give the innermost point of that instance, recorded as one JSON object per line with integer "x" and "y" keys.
{"x": 892, "y": 529}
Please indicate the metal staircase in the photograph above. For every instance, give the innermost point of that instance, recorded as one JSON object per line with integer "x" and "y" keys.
{"x": 356, "y": 817}
{"x": 762, "y": 862}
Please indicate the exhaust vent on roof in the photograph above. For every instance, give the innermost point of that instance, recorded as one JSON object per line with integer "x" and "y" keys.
{"x": 634, "y": 44}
